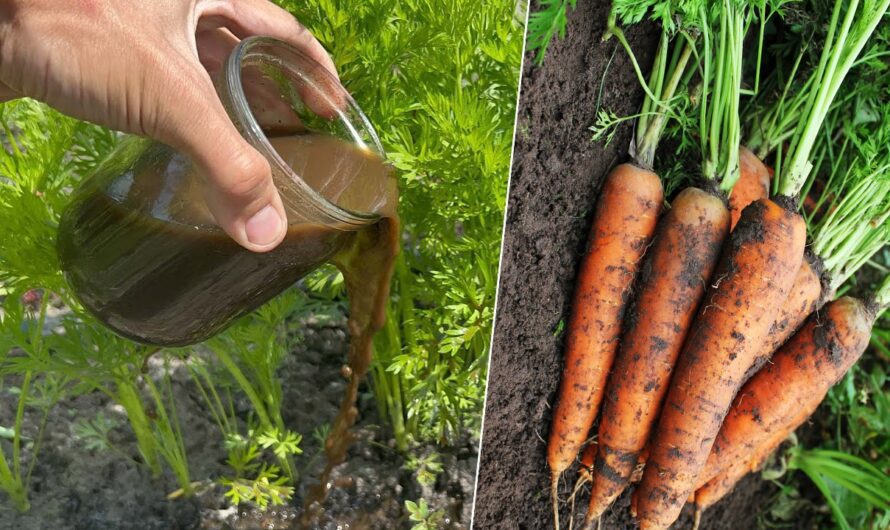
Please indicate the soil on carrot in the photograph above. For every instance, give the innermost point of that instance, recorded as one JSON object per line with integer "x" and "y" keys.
{"x": 557, "y": 173}
{"x": 78, "y": 488}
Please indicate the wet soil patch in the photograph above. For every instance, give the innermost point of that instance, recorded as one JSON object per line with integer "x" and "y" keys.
{"x": 557, "y": 174}
{"x": 79, "y": 488}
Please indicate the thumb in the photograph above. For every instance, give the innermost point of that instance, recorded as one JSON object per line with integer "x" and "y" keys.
{"x": 238, "y": 184}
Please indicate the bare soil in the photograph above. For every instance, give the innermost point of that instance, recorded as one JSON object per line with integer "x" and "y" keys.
{"x": 557, "y": 173}
{"x": 78, "y": 488}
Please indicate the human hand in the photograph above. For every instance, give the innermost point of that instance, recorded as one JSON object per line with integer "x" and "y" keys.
{"x": 137, "y": 67}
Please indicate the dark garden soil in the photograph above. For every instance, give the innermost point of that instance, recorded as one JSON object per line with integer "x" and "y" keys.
{"x": 557, "y": 171}
{"x": 78, "y": 488}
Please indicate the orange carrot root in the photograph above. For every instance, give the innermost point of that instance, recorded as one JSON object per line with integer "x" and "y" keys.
{"x": 717, "y": 488}
{"x": 753, "y": 279}
{"x": 625, "y": 219}
{"x": 806, "y": 296}
{"x": 753, "y": 184}
{"x": 785, "y": 393}
{"x": 676, "y": 270}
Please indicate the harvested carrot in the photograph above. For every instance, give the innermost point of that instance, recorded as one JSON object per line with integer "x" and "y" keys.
{"x": 717, "y": 488}
{"x": 785, "y": 393}
{"x": 752, "y": 281}
{"x": 623, "y": 225}
{"x": 681, "y": 263}
{"x": 753, "y": 184}
{"x": 855, "y": 228}
{"x": 676, "y": 270}
{"x": 807, "y": 295}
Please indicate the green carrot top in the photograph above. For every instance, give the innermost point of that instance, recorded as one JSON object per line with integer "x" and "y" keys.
{"x": 702, "y": 42}
{"x": 850, "y": 26}
{"x": 668, "y": 77}
{"x": 850, "y": 220}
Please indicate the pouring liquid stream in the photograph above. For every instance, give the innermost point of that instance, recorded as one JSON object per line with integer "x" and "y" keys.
{"x": 367, "y": 267}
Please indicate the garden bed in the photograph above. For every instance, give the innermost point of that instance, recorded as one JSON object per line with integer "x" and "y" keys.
{"x": 78, "y": 487}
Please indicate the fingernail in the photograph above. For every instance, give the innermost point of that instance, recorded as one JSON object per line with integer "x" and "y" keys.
{"x": 264, "y": 227}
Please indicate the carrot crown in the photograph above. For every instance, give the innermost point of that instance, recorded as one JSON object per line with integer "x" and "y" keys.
{"x": 851, "y": 25}
{"x": 721, "y": 78}
{"x": 669, "y": 71}
{"x": 713, "y": 35}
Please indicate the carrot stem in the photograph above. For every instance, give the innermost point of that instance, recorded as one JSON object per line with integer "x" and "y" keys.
{"x": 842, "y": 47}
{"x": 649, "y": 141}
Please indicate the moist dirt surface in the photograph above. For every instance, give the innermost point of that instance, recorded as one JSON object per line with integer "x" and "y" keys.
{"x": 557, "y": 173}
{"x": 81, "y": 488}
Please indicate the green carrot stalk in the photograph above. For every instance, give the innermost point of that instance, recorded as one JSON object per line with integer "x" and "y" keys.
{"x": 700, "y": 39}
{"x": 668, "y": 78}
{"x": 719, "y": 124}
{"x": 858, "y": 224}
{"x": 849, "y": 29}
{"x": 776, "y": 114}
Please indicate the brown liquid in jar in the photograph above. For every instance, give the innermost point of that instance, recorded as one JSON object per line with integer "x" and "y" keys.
{"x": 147, "y": 258}
{"x": 170, "y": 264}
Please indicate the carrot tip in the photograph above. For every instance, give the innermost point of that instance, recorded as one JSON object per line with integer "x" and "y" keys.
{"x": 593, "y": 512}
{"x": 593, "y": 523}
{"x": 589, "y": 522}
{"x": 554, "y": 494}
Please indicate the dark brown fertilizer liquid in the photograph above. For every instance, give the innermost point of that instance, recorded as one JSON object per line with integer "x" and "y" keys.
{"x": 171, "y": 267}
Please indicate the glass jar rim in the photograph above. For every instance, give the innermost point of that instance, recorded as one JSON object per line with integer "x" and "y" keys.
{"x": 249, "y": 49}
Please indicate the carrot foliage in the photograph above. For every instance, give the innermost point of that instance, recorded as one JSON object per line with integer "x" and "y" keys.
{"x": 695, "y": 86}
{"x": 848, "y": 216}
{"x": 665, "y": 89}
{"x": 850, "y": 26}
{"x": 439, "y": 82}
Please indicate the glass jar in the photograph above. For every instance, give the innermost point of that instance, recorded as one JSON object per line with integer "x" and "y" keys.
{"x": 140, "y": 248}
